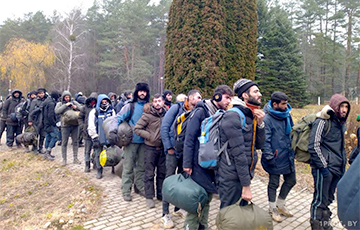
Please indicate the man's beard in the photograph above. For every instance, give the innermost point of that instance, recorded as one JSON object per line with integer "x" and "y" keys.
{"x": 252, "y": 100}
{"x": 280, "y": 109}
{"x": 142, "y": 96}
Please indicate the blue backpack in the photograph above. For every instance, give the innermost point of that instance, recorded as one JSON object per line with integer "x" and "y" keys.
{"x": 209, "y": 139}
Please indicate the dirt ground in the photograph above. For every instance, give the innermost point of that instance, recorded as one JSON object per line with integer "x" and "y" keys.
{"x": 38, "y": 194}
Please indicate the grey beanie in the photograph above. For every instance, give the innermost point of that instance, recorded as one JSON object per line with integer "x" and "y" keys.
{"x": 243, "y": 84}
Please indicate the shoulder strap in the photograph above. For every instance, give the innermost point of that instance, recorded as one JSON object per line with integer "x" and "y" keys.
{"x": 241, "y": 115}
{"x": 132, "y": 106}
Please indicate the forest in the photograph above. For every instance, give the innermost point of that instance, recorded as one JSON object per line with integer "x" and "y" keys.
{"x": 306, "y": 48}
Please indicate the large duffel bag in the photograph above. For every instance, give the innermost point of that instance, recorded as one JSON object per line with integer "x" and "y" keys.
{"x": 110, "y": 156}
{"x": 124, "y": 130}
{"x": 243, "y": 217}
{"x": 184, "y": 193}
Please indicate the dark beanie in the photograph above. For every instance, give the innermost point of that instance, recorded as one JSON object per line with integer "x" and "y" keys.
{"x": 166, "y": 92}
{"x": 242, "y": 85}
{"x": 41, "y": 90}
{"x": 55, "y": 95}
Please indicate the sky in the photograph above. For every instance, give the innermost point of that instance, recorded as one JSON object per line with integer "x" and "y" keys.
{"x": 17, "y": 8}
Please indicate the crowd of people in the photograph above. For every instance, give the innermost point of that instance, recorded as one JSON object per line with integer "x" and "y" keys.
{"x": 50, "y": 118}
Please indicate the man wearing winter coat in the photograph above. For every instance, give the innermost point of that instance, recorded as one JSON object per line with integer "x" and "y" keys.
{"x": 13, "y": 127}
{"x": 167, "y": 96}
{"x": 134, "y": 153}
{"x": 97, "y": 116}
{"x": 174, "y": 159}
{"x": 90, "y": 103}
{"x": 124, "y": 97}
{"x": 38, "y": 124}
{"x": 328, "y": 158}
{"x": 69, "y": 125}
{"x": 148, "y": 127}
{"x": 233, "y": 181}
{"x": 277, "y": 156}
{"x": 50, "y": 120}
{"x": 204, "y": 177}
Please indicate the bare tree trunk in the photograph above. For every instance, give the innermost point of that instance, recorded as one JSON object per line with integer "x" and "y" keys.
{"x": 348, "y": 54}
{"x": 126, "y": 56}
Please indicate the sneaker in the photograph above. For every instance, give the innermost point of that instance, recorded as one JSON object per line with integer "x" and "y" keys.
{"x": 127, "y": 197}
{"x": 167, "y": 221}
{"x": 275, "y": 215}
{"x": 150, "y": 203}
{"x": 48, "y": 157}
{"x": 284, "y": 211}
{"x": 181, "y": 213}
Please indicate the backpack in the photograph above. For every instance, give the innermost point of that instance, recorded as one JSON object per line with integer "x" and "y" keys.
{"x": 180, "y": 130}
{"x": 300, "y": 135}
{"x": 210, "y": 148}
{"x": 19, "y": 110}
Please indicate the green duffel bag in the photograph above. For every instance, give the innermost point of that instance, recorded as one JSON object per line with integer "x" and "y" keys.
{"x": 184, "y": 193}
{"x": 243, "y": 217}
{"x": 110, "y": 156}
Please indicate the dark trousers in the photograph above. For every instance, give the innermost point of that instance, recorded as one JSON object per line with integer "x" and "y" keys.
{"x": 11, "y": 132}
{"x": 154, "y": 159}
{"x": 66, "y": 132}
{"x": 172, "y": 163}
{"x": 289, "y": 182}
{"x": 2, "y": 127}
{"x": 97, "y": 152}
{"x": 87, "y": 149}
{"x": 51, "y": 138}
{"x": 230, "y": 192}
{"x": 324, "y": 190}
{"x": 41, "y": 137}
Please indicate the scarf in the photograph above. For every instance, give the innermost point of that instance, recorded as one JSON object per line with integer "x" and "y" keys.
{"x": 282, "y": 115}
{"x": 252, "y": 107}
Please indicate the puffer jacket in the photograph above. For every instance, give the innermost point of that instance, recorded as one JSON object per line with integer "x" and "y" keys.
{"x": 84, "y": 114}
{"x": 61, "y": 107}
{"x": 167, "y": 126}
{"x": 148, "y": 126}
{"x": 277, "y": 139}
{"x": 50, "y": 118}
{"x": 204, "y": 177}
{"x": 239, "y": 146}
{"x": 9, "y": 107}
{"x": 327, "y": 148}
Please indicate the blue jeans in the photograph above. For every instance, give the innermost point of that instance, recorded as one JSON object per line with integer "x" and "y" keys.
{"x": 51, "y": 138}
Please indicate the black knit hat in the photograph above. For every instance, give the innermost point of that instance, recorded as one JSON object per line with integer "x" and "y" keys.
{"x": 242, "y": 85}
{"x": 41, "y": 90}
{"x": 55, "y": 95}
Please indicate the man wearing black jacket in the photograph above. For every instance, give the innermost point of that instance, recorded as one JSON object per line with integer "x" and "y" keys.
{"x": 233, "y": 181}
{"x": 204, "y": 177}
{"x": 52, "y": 132}
{"x": 328, "y": 159}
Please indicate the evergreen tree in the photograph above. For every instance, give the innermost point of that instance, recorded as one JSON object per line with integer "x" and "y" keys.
{"x": 279, "y": 63}
{"x": 209, "y": 43}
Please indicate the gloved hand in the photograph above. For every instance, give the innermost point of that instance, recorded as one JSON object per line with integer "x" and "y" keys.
{"x": 113, "y": 138}
{"x": 96, "y": 143}
{"x": 325, "y": 172}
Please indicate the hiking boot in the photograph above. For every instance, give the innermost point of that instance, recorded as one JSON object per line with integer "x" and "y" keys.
{"x": 316, "y": 225}
{"x": 40, "y": 151}
{"x": 63, "y": 162}
{"x": 99, "y": 173}
{"x": 181, "y": 213}
{"x": 284, "y": 211}
{"x": 76, "y": 161}
{"x": 47, "y": 156}
{"x": 167, "y": 221}
{"x": 275, "y": 215}
{"x": 87, "y": 166}
{"x": 150, "y": 203}
{"x": 127, "y": 197}
{"x": 113, "y": 170}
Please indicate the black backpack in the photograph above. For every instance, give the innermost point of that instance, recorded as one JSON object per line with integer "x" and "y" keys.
{"x": 180, "y": 129}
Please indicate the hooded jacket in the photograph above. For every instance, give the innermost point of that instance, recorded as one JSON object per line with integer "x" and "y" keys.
{"x": 239, "y": 145}
{"x": 125, "y": 112}
{"x": 204, "y": 177}
{"x": 36, "y": 103}
{"x": 61, "y": 107}
{"x": 327, "y": 149}
{"x": 96, "y": 118}
{"x": 148, "y": 126}
{"x": 50, "y": 118}
{"x": 113, "y": 101}
{"x": 277, "y": 139}
{"x": 84, "y": 113}
{"x": 9, "y": 107}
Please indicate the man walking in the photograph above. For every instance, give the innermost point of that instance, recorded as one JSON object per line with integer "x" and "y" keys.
{"x": 148, "y": 127}
{"x": 328, "y": 159}
{"x": 68, "y": 110}
{"x": 174, "y": 159}
{"x": 204, "y": 177}
{"x": 277, "y": 156}
{"x": 134, "y": 153}
{"x": 233, "y": 180}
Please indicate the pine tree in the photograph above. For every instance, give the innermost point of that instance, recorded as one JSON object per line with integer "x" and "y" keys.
{"x": 209, "y": 43}
{"x": 279, "y": 62}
